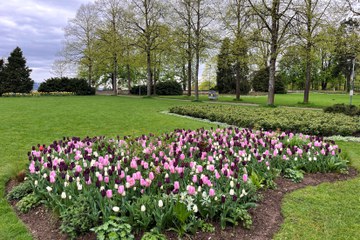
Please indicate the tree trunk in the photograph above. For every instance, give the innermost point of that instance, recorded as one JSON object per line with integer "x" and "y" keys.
{"x": 197, "y": 74}
{"x": 128, "y": 76}
{"x": 271, "y": 90}
{"x": 90, "y": 74}
{"x": 115, "y": 75}
{"x": 189, "y": 51}
{"x": 149, "y": 82}
{"x": 184, "y": 77}
{"x": 238, "y": 78}
{"x": 308, "y": 74}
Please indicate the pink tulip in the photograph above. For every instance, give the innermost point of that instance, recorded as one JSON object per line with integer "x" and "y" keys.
{"x": 176, "y": 185}
{"x": 106, "y": 179}
{"x": 211, "y": 192}
{"x": 245, "y": 177}
{"x": 109, "y": 193}
{"x": 121, "y": 189}
{"x": 191, "y": 190}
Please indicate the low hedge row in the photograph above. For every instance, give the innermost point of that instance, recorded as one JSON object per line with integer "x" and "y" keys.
{"x": 296, "y": 120}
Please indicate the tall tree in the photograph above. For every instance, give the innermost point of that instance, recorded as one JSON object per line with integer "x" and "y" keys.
{"x": 15, "y": 74}
{"x": 200, "y": 21}
{"x": 310, "y": 16}
{"x": 80, "y": 38}
{"x": 225, "y": 73}
{"x": 145, "y": 21}
{"x": 274, "y": 15}
{"x": 237, "y": 20}
{"x": 183, "y": 8}
{"x": 110, "y": 35}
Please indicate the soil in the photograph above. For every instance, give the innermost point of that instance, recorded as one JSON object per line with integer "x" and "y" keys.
{"x": 267, "y": 217}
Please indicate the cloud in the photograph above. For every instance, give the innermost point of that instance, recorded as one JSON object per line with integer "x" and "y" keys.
{"x": 36, "y": 26}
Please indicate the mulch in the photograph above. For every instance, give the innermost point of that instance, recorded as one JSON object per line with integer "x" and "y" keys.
{"x": 267, "y": 218}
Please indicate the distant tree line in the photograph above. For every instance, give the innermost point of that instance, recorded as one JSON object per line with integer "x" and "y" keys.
{"x": 297, "y": 43}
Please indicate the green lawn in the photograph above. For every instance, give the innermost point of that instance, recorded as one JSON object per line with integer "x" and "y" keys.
{"x": 25, "y": 122}
{"x": 327, "y": 211}
{"x": 291, "y": 99}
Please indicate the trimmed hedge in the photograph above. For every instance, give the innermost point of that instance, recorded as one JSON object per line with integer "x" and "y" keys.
{"x": 78, "y": 86}
{"x": 286, "y": 119}
{"x": 162, "y": 88}
{"x": 142, "y": 89}
{"x": 169, "y": 88}
{"x": 350, "y": 110}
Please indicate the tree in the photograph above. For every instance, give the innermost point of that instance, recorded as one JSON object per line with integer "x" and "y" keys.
{"x": 224, "y": 74}
{"x": 185, "y": 13}
{"x": 80, "y": 37}
{"x": 110, "y": 35}
{"x": 15, "y": 74}
{"x": 228, "y": 70}
{"x": 145, "y": 21}
{"x": 310, "y": 16}
{"x": 201, "y": 20}
{"x": 274, "y": 17}
{"x": 237, "y": 20}
{"x": 59, "y": 68}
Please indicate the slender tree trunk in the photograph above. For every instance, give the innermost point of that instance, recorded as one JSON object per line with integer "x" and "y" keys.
{"x": 271, "y": 91}
{"x": 238, "y": 79}
{"x": 149, "y": 72}
{"x": 128, "y": 76}
{"x": 90, "y": 74}
{"x": 115, "y": 75}
{"x": 189, "y": 50}
{"x": 197, "y": 56}
{"x": 184, "y": 77}
{"x": 308, "y": 73}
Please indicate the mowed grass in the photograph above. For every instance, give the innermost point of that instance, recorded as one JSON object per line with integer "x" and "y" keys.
{"x": 316, "y": 100}
{"x": 25, "y": 122}
{"x": 328, "y": 211}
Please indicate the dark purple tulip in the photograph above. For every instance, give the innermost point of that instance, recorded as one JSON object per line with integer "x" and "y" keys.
{"x": 223, "y": 198}
{"x": 98, "y": 184}
{"x": 71, "y": 179}
{"x": 159, "y": 184}
{"x": 63, "y": 175}
{"x": 103, "y": 193}
{"x": 167, "y": 180}
{"x": 234, "y": 198}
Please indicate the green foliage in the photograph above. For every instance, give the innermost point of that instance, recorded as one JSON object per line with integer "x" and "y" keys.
{"x": 168, "y": 88}
{"x": 64, "y": 84}
{"x": 207, "y": 227}
{"x": 20, "y": 191}
{"x": 350, "y": 110}
{"x": 153, "y": 235}
{"x": 15, "y": 75}
{"x": 77, "y": 219}
{"x": 295, "y": 120}
{"x": 114, "y": 229}
{"x": 139, "y": 90}
{"x": 231, "y": 63}
{"x": 28, "y": 202}
{"x": 260, "y": 82}
{"x": 294, "y": 175}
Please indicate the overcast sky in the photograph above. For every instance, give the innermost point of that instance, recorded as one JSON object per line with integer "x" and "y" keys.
{"x": 36, "y": 26}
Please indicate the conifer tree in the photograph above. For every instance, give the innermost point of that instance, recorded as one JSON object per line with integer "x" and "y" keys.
{"x": 15, "y": 76}
{"x": 224, "y": 75}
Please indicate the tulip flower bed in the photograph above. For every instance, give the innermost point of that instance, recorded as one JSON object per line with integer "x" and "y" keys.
{"x": 287, "y": 119}
{"x": 175, "y": 181}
